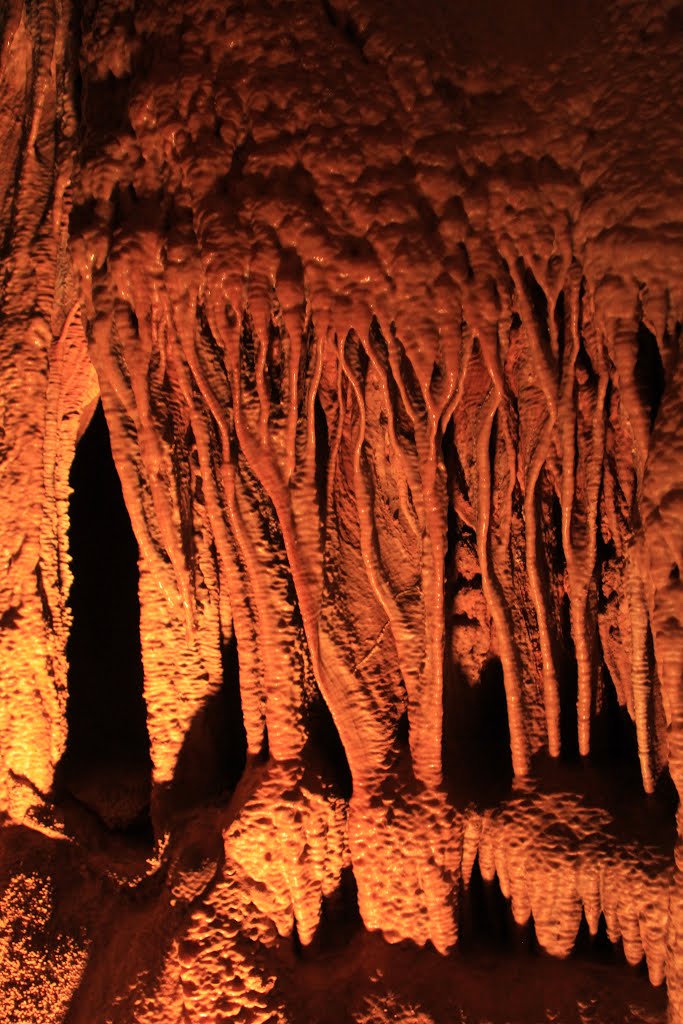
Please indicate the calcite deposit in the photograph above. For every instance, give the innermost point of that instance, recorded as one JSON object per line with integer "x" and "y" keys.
{"x": 382, "y": 305}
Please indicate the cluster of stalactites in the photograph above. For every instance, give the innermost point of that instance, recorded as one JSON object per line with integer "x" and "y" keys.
{"x": 342, "y": 486}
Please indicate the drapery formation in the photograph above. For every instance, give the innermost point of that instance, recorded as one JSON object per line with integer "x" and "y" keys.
{"x": 387, "y": 335}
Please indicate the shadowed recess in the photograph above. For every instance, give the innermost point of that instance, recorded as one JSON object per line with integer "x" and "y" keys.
{"x": 327, "y": 748}
{"x": 214, "y": 753}
{"x": 649, "y": 372}
{"x": 494, "y": 730}
{"x": 107, "y": 763}
{"x": 477, "y": 733}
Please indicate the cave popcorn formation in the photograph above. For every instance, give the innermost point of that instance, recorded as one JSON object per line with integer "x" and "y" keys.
{"x": 385, "y": 321}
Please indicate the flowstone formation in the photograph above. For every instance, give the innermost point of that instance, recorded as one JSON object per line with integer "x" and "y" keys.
{"x": 383, "y": 309}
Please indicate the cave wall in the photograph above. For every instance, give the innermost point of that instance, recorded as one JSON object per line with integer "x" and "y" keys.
{"x": 385, "y": 316}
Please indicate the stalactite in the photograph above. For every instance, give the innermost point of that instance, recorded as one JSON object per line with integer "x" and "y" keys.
{"x": 579, "y": 534}
{"x": 416, "y": 664}
{"x": 334, "y": 275}
{"x": 426, "y": 417}
{"x": 491, "y": 588}
{"x": 286, "y": 734}
{"x": 355, "y": 692}
{"x": 540, "y": 454}
{"x": 221, "y": 505}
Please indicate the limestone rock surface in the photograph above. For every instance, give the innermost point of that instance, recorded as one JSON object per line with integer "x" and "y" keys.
{"x": 383, "y": 306}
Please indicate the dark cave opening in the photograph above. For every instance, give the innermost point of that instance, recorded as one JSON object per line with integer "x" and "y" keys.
{"x": 106, "y": 764}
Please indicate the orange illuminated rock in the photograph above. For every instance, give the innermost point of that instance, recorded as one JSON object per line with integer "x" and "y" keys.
{"x": 384, "y": 311}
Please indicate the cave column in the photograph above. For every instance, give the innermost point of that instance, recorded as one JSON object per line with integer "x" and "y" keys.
{"x": 45, "y": 382}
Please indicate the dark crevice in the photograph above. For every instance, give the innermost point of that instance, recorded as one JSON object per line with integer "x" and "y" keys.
{"x": 583, "y": 367}
{"x": 552, "y": 559}
{"x": 340, "y": 921}
{"x": 614, "y": 745}
{"x": 493, "y": 443}
{"x": 355, "y": 37}
{"x": 559, "y": 314}
{"x": 464, "y": 256}
{"x": 274, "y": 370}
{"x": 457, "y": 694}
{"x": 568, "y": 685}
{"x": 106, "y": 764}
{"x": 649, "y": 372}
{"x": 348, "y": 26}
{"x": 454, "y": 476}
{"x": 322, "y": 458}
{"x": 476, "y": 744}
{"x": 403, "y": 731}
{"x": 247, "y": 355}
{"x": 326, "y": 748}
{"x": 330, "y": 13}
{"x": 264, "y": 753}
{"x": 494, "y": 740}
{"x": 538, "y": 302}
{"x": 214, "y": 752}
{"x": 75, "y": 37}
{"x": 486, "y": 923}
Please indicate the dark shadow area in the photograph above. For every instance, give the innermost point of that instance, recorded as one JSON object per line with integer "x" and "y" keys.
{"x": 485, "y": 921}
{"x": 326, "y": 749}
{"x": 340, "y": 921}
{"x": 106, "y": 765}
{"x": 476, "y": 746}
{"x": 322, "y": 458}
{"x": 613, "y": 734}
{"x": 403, "y": 731}
{"x": 493, "y": 742}
{"x": 598, "y": 948}
{"x": 536, "y": 298}
{"x": 486, "y": 925}
{"x": 568, "y": 684}
{"x": 214, "y": 752}
{"x": 456, "y": 483}
{"x": 560, "y": 317}
{"x": 649, "y": 372}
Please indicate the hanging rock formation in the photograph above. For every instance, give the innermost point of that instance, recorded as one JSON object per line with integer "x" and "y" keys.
{"x": 384, "y": 311}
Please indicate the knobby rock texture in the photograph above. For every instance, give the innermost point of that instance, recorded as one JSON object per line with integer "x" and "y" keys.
{"x": 383, "y": 307}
